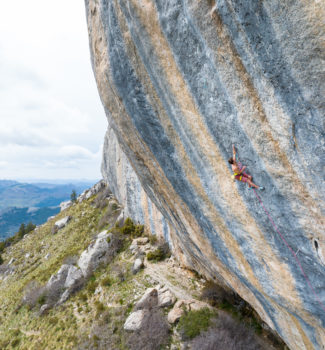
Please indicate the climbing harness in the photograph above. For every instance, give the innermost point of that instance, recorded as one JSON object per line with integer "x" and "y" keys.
{"x": 291, "y": 250}
{"x": 233, "y": 176}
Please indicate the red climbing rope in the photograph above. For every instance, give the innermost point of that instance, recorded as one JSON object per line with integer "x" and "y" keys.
{"x": 291, "y": 250}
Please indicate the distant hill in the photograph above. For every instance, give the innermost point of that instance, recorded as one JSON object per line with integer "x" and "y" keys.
{"x": 11, "y": 218}
{"x": 25, "y": 202}
{"x": 25, "y": 195}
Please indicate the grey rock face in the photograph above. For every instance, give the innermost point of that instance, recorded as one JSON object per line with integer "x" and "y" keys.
{"x": 91, "y": 191}
{"x": 181, "y": 81}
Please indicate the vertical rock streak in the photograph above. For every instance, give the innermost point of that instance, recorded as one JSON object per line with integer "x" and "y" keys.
{"x": 180, "y": 82}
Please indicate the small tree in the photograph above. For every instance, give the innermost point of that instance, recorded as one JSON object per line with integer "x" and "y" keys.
{"x": 30, "y": 227}
{"x": 22, "y": 231}
{"x": 73, "y": 196}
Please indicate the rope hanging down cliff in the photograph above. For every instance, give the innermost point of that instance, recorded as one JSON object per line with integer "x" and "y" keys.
{"x": 292, "y": 252}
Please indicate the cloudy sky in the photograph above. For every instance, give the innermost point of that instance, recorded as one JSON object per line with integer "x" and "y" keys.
{"x": 52, "y": 121}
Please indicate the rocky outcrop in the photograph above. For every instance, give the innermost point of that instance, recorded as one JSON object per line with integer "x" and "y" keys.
{"x": 60, "y": 224}
{"x": 91, "y": 191}
{"x": 65, "y": 205}
{"x": 101, "y": 251}
{"x": 181, "y": 81}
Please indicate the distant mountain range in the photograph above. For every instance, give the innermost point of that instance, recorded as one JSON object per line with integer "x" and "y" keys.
{"x": 25, "y": 202}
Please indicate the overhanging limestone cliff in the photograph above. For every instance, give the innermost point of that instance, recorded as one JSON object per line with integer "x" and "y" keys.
{"x": 180, "y": 82}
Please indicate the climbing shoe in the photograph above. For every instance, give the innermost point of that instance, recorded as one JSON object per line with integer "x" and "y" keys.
{"x": 261, "y": 188}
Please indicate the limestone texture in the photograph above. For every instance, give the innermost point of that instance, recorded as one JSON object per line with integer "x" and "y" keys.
{"x": 181, "y": 81}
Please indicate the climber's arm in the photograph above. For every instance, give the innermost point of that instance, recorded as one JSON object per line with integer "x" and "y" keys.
{"x": 234, "y": 152}
{"x": 242, "y": 169}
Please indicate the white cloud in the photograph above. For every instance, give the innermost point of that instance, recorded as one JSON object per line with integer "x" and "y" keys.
{"x": 50, "y": 113}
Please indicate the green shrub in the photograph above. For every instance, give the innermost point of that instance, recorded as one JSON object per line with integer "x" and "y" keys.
{"x": 100, "y": 307}
{"x": 114, "y": 206}
{"x": 2, "y": 246}
{"x": 15, "y": 342}
{"x": 1, "y": 260}
{"x": 21, "y": 232}
{"x": 53, "y": 320}
{"x": 161, "y": 253}
{"x": 153, "y": 239}
{"x": 15, "y": 333}
{"x": 91, "y": 287}
{"x": 192, "y": 323}
{"x": 41, "y": 299}
{"x": 138, "y": 232}
{"x": 30, "y": 227}
{"x": 83, "y": 297}
{"x": 107, "y": 281}
{"x": 156, "y": 255}
{"x": 128, "y": 227}
{"x": 73, "y": 196}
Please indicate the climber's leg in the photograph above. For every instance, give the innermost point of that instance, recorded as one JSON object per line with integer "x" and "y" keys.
{"x": 250, "y": 183}
{"x": 248, "y": 176}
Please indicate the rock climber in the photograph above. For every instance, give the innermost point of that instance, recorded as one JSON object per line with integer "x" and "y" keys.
{"x": 239, "y": 173}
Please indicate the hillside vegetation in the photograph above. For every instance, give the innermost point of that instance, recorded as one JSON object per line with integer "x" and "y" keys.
{"x": 95, "y": 313}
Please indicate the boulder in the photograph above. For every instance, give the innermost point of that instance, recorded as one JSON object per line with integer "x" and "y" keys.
{"x": 141, "y": 240}
{"x": 65, "y": 205}
{"x": 58, "y": 279}
{"x": 62, "y": 283}
{"x": 181, "y": 305}
{"x": 134, "y": 248}
{"x": 137, "y": 265}
{"x": 148, "y": 301}
{"x": 94, "y": 254}
{"x": 64, "y": 297}
{"x": 44, "y": 308}
{"x": 62, "y": 222}
{"x": 102, "y": 234}
{"x": 135, "y": 320}
{"x": 50, "y": 218}
{"x": 98, "y": 290}
{"x": 74, "y": 276}
{"x": 165, "y": 297}
{"x": 140, "y": 245}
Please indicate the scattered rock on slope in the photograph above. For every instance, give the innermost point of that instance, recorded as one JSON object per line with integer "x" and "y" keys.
{"x": 60, "y": 224}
